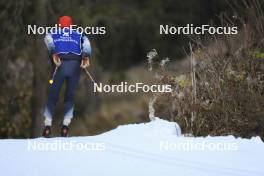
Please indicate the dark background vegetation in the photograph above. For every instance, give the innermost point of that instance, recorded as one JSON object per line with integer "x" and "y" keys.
{"x": 132, "y": 30}
{"x": 221, "y": 91}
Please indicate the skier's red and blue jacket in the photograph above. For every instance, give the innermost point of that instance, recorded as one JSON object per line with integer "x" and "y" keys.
{"x": 68, "y": 43}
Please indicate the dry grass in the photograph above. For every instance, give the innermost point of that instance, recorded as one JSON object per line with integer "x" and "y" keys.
{"x": 223, "y": 91}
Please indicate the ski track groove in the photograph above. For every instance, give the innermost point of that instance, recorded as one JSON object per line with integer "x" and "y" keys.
{"x": 135, "y": 153}
{"x": 153, "y": 157}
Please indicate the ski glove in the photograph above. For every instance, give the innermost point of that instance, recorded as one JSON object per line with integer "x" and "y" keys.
{"x": 85, "y": 62}
{"x": 56, "y": 60}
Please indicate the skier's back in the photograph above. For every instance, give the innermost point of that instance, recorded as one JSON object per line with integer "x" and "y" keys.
{"x": 70, "y": 51}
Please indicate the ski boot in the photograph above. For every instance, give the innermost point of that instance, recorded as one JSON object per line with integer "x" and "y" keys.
{"x": 46, "y": 132}
{"x": 64, "y": 131}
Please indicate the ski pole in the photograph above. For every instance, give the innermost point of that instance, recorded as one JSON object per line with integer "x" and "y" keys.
{"x": 54, "y": 73}
{"x": 90, "y": 76}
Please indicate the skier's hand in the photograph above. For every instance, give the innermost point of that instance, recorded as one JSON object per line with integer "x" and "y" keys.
{"x": 56, "y": 60}
{"x": 85, "y": 62}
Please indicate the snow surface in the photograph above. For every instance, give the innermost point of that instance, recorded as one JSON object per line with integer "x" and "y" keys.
{"x": 133, "y": 150}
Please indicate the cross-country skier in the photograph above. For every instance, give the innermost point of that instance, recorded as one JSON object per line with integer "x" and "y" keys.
{"x": 70, "y": 51}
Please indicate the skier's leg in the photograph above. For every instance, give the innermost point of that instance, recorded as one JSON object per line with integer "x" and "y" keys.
{"x": 53, "y": 96}
{"x": 71, "y": 85}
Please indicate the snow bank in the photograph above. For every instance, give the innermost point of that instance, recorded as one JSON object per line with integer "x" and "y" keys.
{"x": 157, "y": 127}
{"x": 152, "y": 148}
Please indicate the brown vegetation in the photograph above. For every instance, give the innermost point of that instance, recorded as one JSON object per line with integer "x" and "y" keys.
{"x": 223, "y": 91}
